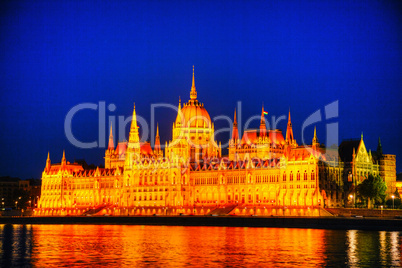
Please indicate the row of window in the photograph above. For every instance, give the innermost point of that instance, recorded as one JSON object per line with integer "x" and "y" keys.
{"x": 236, "y": 179}
{"x": 155, "y": 179}
{"x": 270, "y": 178}
{"x": 198, "y": 181}
{"x": 305, "y": 186}
{"x": 305, "y": 176}
{"x": 203, "y": 181}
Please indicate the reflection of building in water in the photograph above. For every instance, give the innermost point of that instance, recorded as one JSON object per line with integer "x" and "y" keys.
{"x": 375, "y": 249}
{"x": 265, "y": 172}
{"x": 16, "y": 245}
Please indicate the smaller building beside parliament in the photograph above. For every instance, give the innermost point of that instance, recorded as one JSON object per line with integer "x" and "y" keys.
{"x": 266, "y": 172}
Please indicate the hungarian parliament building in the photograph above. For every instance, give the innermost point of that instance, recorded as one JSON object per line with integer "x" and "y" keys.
{"x": 264, "y": 173}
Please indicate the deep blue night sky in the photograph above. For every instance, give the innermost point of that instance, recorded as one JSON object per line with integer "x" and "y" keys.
{"x": 298, "y": 55}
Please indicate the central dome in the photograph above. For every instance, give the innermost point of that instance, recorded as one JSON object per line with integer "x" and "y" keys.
{"x": 193, "y": 112}
{"x": 195, "y": 115}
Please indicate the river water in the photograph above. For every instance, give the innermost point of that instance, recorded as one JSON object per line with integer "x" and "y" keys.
{"x": 166, "y": 246}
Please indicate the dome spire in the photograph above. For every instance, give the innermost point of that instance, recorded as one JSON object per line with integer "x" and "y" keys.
{"x": 193, "y": 92}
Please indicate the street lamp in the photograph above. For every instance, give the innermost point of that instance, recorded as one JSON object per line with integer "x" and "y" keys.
{"x": 393, "y": 198}
{"x": 351, "y": 197}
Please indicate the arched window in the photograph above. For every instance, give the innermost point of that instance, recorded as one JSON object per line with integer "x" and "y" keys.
{"x": 298, "y": 175}
{"x": 284, "y": 177}
{"x": 291, "y": 176}
{"x": 305, "y": 175}
{"x": 312, "y": 175}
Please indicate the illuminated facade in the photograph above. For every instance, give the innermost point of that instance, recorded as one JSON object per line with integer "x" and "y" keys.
{"x": 265, "y": 172}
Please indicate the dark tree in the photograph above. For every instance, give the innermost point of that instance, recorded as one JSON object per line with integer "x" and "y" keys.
{"x": 373, "y": 189}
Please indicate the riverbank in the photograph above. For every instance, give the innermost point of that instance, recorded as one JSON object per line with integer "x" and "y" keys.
{"x": 336, "y": 223}
{"x": 347, "y": 212}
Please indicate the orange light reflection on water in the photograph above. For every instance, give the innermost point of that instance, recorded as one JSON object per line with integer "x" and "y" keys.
{"x": 125, "y": 245}
{"x": 132, "y": 245}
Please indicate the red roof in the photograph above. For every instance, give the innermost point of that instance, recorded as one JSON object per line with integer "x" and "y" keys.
{"x": 276, "y": 137}
{"x": 54, "y": 168}
{"x": 251, "y": 137}
{"x": 146, "y": 148}
{"x": 121, "y": 148}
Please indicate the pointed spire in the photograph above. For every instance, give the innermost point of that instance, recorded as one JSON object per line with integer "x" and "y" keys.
{"x": 179, "y": 117}
{"x": 157, "y": 129}
{"x": 193, "y": 92}
{"x": 315, "y": 140}
{"x": 134, "y": 121}
{"x": 289, "y": 131}
{"x": 379, "y": 147}
{"x": 157, "y": 139}
{"x": 235, "y": 119}
{"x": 111, "y": 143}
{"x": 315, "y": 132}
{"x": 63, "y": 159}
{"x": 235, "y": 131}
{"x": 134, "y": 137}
{"x": 48, "y": 163}
{"x": 263, "y": 128}
{"x": 262, "y": 116}
{"x": 193, "y": 84}
{"x": 362, "y": 136}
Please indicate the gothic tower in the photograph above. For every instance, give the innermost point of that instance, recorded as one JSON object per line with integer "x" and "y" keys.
{"x": 133, "y": 147}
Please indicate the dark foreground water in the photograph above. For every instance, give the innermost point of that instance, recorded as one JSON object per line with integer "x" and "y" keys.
{"x": 161, "y": 246}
